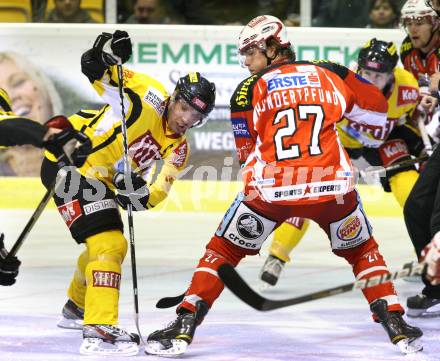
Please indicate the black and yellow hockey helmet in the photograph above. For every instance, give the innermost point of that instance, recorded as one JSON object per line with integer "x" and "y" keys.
{"x": 377, "y": 55}
{"x": 197, "y": 91}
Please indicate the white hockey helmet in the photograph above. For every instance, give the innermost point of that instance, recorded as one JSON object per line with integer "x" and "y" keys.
{"x": 414, "y": 9}
{"x": 261, "y": 29}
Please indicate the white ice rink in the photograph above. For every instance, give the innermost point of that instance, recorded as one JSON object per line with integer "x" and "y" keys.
{"x": 168, "y": 247}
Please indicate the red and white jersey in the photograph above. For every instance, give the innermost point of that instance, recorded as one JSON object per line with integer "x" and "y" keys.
{"x": 418, "y": 63}
{"x": 284, "y": 123}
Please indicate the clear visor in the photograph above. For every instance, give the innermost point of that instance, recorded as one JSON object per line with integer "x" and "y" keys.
{"x": 416, "y": 20}
{"x": 249, "y": 51}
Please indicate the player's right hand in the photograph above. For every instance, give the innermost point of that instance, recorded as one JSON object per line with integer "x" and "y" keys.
{"x": 8, "y": 266}
{"x": 132, "y": 189}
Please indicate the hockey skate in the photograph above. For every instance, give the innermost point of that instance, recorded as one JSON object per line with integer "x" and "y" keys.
{"x": 271, "y": 271}
{"x": 422, "y": 306}
{"x": 105, "y": 340}
{"x": 72, "y": 316}
{"x": 399, "y": 332}
{"x": 174, "y": 339}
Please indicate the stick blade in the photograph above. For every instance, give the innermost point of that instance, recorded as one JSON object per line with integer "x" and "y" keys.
{"x": 168, "y": 302}
{"x": 240, "y": 288}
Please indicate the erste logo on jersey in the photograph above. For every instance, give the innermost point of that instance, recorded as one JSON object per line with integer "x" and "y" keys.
{"x": 406, "y": 95}
{"x": 293, "y": 80}
{"x": 144, "y": 150}
{"x": 70, "y": 212}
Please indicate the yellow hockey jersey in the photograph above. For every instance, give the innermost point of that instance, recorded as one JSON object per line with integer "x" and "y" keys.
{"x": 402, "y": 100}
{"x": 149, "y": 138}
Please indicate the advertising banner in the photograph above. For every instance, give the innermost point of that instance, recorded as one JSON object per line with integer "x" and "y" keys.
{"x": 40, "y": 69}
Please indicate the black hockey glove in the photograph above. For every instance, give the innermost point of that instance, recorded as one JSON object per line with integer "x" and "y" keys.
{"x": 131, "y": 190}
{"x": 69, "y": 147}
{"x": 8, "y": 266}
{"x": 113, "y": 49}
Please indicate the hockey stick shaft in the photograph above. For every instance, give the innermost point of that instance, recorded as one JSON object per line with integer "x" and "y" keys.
{"x": 397, "y": 166}
{"x": 127, "y": 173}
{"x": 231, "y": 277}
{"x": 39, "y": 210}
{"x": 241, "y": 289}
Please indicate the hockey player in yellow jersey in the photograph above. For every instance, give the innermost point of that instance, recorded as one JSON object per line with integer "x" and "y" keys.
{"x": 156, "y": 125}
{"x": 376, "y": 63}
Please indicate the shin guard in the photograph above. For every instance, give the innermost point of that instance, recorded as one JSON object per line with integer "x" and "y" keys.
{"x": 205, "y": 284}
{"x": 367, "y": 262}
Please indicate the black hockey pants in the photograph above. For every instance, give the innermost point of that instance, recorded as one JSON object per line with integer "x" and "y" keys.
{"x": 422, "y": 211}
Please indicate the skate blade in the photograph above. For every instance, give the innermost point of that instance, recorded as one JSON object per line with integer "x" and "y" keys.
{"x": 97, "y": 347}
{"x": 422, "y": 314}
{"x": 156, "y": 348}
{"x": 70, "y": 324}
{"x": 413, "y": 279}
{"x": 408, "y": 346}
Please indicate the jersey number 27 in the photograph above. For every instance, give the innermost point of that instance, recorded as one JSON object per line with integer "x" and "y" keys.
{"x": 302, "y": 114}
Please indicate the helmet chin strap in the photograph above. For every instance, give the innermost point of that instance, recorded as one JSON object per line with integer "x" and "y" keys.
{"x": 270, "y": 60}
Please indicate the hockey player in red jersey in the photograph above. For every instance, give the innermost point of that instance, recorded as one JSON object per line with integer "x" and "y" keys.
{"x": 419, "y": 51}
{"x": 284, "y": 121}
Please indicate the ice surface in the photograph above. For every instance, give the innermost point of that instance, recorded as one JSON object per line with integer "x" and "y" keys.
{"x": 168, "y": 246}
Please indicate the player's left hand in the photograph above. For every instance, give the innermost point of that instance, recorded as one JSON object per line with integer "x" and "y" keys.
{"x": 131, "y": 190}
{"x": 428, "y": 103}
{"x": 431, "y": 255}
{"x": 8, "y": 266}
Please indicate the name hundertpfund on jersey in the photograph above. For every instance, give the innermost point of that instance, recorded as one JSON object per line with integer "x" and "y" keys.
{"x": 285, "y": 89}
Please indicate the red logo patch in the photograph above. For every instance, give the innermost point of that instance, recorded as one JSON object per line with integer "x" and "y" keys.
{"x": 70, "y": 212}
{"x": 180, "y": 154}
{"x": 200, "y": 103}
{"x": 144, "y": 149}
{"x": 393, "y": 150}
{"x": 106, "y": 279}
{"x": 407, "y": 95}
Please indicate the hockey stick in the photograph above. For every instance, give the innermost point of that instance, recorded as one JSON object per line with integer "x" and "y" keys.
{"x": 395, "y": 166}
{"x": 241, "y": 289}
{"x": 168, "y": 302}
{"x": 40, "y": 208}
{"x": 127, "y": 175}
